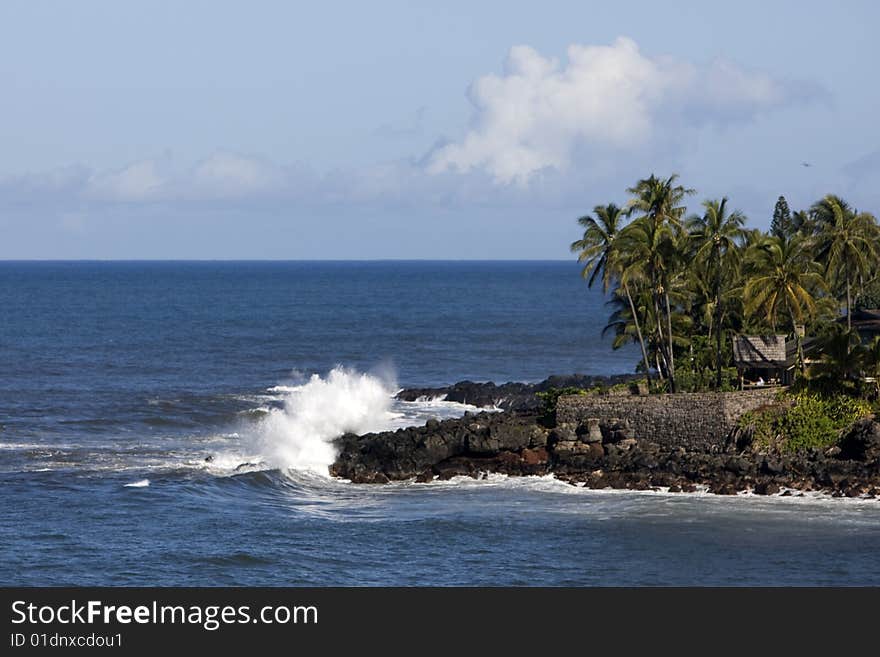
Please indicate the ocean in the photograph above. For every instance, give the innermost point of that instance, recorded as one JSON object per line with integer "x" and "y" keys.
{"x": 169, "y": 423}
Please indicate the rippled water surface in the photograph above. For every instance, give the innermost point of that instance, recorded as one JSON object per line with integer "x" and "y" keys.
{"x": 169, "y": 423}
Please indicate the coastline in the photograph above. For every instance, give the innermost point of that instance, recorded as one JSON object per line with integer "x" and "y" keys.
{"x": 551, "y": 483}
{"x": 600, "y": 453}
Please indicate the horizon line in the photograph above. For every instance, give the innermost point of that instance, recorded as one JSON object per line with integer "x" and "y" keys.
{"x": 22, "y": 260}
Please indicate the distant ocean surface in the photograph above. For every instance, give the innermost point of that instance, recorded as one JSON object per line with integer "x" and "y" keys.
{"x": 119, "y": 379}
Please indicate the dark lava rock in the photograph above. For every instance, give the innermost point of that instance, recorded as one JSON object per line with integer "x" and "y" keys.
{"x": 511, "y": 396}
{"x": 770, "y": 465}
{"x": 862, "y": 442}
{"x": 425, "y": 477}
{"x": 488, "y": 441}
{"x": 766, "y": 488}
{"x": 509, "y": 436}
{"x": 662, "y": 479}
{"x": 723, "y": 489}
{"x": 516, "y": 443}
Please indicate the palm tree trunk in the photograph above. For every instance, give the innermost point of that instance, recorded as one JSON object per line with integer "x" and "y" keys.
{"x": 718, "y": 326}
{"x": 632, "y": 308}
{"x": 848, "y": 303}
{"x": 669, "y": 330}
{"x": 661, "y": 340}
{"x": 718, "y": 342}
{"x": 798, "y": 341}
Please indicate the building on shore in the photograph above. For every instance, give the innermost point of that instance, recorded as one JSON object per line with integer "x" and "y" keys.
{"x": 866, "y": 322}
{"x": 764, "y": 360}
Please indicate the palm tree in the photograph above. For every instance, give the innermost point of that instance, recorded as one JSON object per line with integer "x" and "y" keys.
{"x": 841, "y": 357}
{"x": 598, "y": 251}
{"x": 623, "y": 326}
{"x": 783, "y": 281}
{"x": 661, "y": 199}
{"x": 645, "y": 252}
{"x": 657, "y": 247}
{"x": 717, "y": 236}
{"x": 847, "y": 244}
{"x": 753, "y": 237}
{"x": 801, "y": 222}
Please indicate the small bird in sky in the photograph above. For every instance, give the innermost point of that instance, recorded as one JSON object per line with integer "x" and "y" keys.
{"x": 806, "y": 164}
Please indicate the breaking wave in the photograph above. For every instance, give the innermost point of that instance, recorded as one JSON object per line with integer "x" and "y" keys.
{"x": 300, "y": 434}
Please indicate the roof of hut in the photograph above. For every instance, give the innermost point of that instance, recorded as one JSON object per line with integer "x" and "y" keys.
{"x": 759, "y": 350}
{"x": 866, "y": 320}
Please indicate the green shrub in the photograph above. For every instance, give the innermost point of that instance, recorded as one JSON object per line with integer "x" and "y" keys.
{"x": 550, "y": 397}
{"x": 803, "y": 421}
{"x": 807, "y": 424}
{"x": 844, "y": 410}
{"x": 703, "y": 380}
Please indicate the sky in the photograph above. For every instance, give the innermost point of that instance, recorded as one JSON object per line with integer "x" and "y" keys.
{"x": 442, "y": 130}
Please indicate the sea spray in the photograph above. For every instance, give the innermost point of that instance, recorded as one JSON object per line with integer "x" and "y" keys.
{"x": 299, "y": 436}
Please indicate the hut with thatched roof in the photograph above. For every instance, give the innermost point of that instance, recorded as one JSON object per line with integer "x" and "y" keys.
{"x": 763, "y": 360}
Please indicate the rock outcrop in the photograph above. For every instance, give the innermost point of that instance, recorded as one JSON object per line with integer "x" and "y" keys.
{"x": 604, "y": 452}
{"x": 489, "y": 442}
{"x": 862, "y": 442}
{"x": 518, "y": 397}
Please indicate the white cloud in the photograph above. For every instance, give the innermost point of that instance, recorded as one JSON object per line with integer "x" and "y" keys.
{"x": 538, "y": 113}
{"x": 221, "y": 176}
{"x": 597, "y": 121}
{"x": 226, "y": 175}
{"x": 141, "y": 181}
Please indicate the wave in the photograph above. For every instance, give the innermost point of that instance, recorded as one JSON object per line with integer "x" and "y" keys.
{"x": 300, "y": 435}
{"x": 290, "y": 426}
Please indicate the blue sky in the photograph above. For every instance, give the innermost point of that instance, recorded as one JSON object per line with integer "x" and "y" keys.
{"x": 390, "y": 130}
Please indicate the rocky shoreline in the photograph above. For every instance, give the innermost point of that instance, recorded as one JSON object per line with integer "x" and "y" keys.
{"x": 520, "y": 397}
{"x": 598, "y": 453}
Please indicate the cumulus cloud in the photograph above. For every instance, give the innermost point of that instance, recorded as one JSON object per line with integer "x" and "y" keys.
{"x": 232, "y": 175}
{"x": 548, "y": 125}
{"x": 221, "y": 176}
{"x": 140, "y": 181}
{"x": 539, "y": 113}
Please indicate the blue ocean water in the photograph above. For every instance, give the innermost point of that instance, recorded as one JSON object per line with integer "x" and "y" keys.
{"x": 117, "y": 380}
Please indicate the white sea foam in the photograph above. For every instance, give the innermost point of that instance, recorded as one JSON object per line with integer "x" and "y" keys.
{"x": 283, "y": 389}
{"x": 259, "y": 410}
{"x": 140, "y": 483}
{"x": 426, "y": 399}
{"x": 15, "y": 446}
{"x": 550, "y": 484}
{"x": 299, "y": 436}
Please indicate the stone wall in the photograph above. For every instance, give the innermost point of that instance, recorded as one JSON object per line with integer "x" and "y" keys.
{"x": 690, "y": 420}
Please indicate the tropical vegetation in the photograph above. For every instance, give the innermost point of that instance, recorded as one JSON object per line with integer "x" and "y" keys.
{"x": 681, "y": 283}
{"x": 803, "y": 420}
